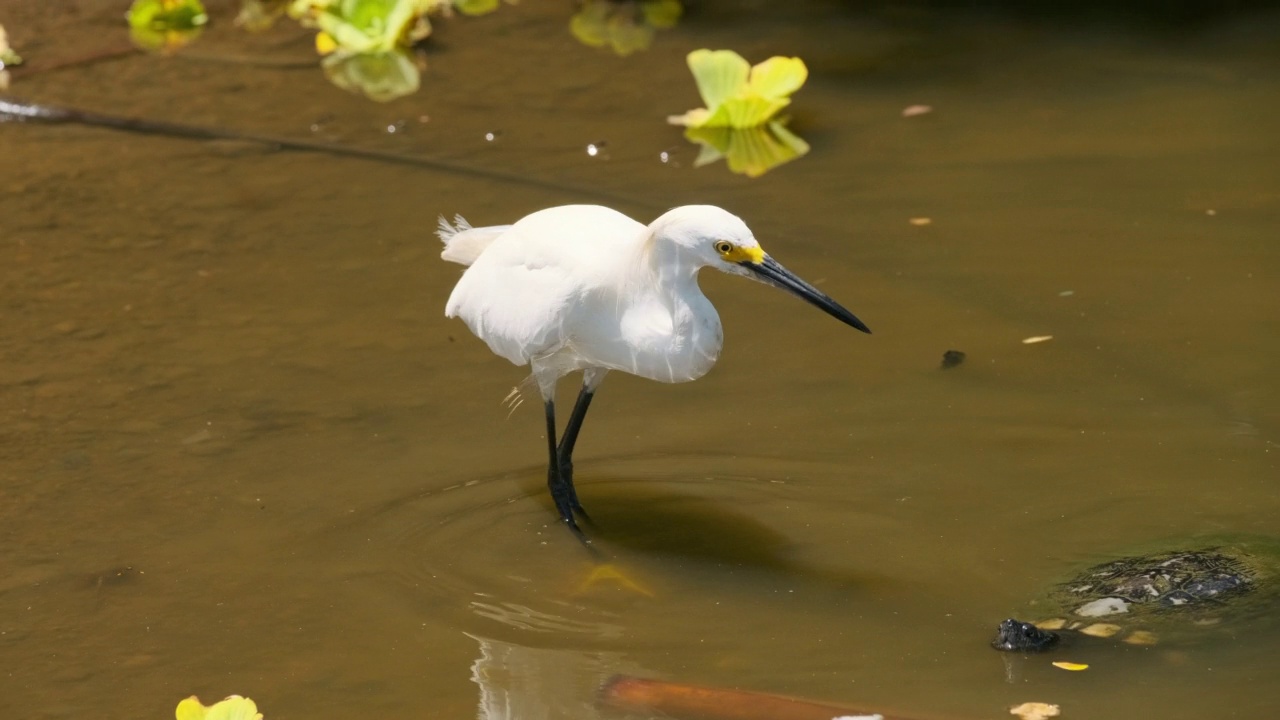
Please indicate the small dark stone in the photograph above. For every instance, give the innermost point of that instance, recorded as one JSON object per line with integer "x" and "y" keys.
{"x": 952, "y": 358}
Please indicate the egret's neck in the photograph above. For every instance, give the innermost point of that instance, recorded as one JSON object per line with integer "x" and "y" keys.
{"x": 674, "y": 275}
{"x": 687, "y": 341}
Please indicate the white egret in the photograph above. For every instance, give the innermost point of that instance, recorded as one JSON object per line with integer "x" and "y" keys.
{"x": 583, "y": 287}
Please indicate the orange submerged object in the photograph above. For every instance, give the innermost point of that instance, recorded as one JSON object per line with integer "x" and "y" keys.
{"x": 692, "y": 702}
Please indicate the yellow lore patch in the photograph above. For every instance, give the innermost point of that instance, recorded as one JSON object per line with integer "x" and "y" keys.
{"x": 753, "y": 255}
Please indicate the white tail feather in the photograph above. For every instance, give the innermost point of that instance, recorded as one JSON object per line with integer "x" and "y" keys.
{"x": 463, "y": 243}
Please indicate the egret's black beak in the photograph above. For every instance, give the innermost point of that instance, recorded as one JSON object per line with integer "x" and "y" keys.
{"x": 768, "y": 270}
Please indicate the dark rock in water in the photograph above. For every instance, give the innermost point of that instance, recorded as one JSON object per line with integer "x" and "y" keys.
{"x": 952, "y": 358}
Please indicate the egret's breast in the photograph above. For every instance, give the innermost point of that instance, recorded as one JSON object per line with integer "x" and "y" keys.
{"x": 669, "y": 345}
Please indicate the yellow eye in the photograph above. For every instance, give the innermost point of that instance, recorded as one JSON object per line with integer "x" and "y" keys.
{"x": 724, "y": 247}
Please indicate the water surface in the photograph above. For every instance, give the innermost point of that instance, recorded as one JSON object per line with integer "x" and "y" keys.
{"x": 244, "y": 452}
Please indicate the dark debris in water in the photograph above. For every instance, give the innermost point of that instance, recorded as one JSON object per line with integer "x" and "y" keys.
{"x": 952, "y": 358}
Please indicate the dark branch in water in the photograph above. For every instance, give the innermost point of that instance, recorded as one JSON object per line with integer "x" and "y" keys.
{"x": 28, "y": 69}
{"x": 14, "y": 109}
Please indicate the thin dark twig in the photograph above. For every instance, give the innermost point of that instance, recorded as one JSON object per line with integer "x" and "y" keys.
{"x": 51, "y": 114}
{"x": 28, "y": 69}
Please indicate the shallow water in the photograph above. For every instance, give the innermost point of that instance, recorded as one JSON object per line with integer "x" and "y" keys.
{"x": 242, "y": 451}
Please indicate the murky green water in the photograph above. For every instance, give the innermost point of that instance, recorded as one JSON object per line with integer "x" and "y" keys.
{"x": 242, "y": 451}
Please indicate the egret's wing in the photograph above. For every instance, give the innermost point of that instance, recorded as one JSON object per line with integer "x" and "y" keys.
{"x": 515, "y": 302}
{"x": 521, "y": 293}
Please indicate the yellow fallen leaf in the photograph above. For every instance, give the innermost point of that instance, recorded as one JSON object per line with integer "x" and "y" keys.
{"x": 1036, "y": 339}
{"x": 1102, "y": 630}
{"x": 1035, "y": 711}
{"x": 920, "y": 221}
{"x": 1074, "y": 667}
{"x": 233, "y": 707}
{"x": 1141, "y": 637}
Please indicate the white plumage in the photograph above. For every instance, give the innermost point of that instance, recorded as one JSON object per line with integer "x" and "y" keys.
{"x": 583, "y": 287}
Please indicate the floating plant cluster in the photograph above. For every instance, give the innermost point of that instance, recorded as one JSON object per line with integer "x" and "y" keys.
{"x": 372, "y": 47}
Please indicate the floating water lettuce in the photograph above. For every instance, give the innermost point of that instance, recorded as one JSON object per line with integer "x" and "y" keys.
{"x": 165, "y": 24}
{"x": 7, "y": 58}
{"x": 232, "y": 708}
{"x": 7, "y": 55}
{"x": 623, "y": 25}
{"x": 366, "y": 42}
{"x": 365, "y": 26}
{"x": 739, "y": 95}
{"x": 475, "y": 7}
{"x": 740, "y": 122}
{"x": 259, "y": 15}
{"x": 748, "y": 151}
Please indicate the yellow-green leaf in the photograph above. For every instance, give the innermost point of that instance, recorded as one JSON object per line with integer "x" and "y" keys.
{"x": 191, "y": 709}
{"x": 162, "y": 15}
{"x": 719, "y": 74}
{"x": 750, "y": 111}
{"x": 232, "y": 708}
{"x": 623, "y": 27}
{"x": 379, "y": 76}
{"x": 7, "y": 55}
{"x": 367, "y": 26}
{"x": 661, "y": 13}
{"x": 778, "y": 77}
{"x": 738, "y": 95}
{"x": 748, "y": 151}
{"x": 475, "y": 7}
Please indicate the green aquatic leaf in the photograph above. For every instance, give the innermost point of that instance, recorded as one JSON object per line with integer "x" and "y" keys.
{"x": 777, "y": 77}
{"x": 165, "y": 24}
{"x": 749, "y": 151}
{"x": 258, "y": 16}
{"x": 719, "y": 74}
{"x": 167, "y": 14}
{"x": 739, "y": 95}
{"x": 662, "y": 14}
{"x": 381, "y": 76}
{"x": 623, "y": 26}
{"x": 366, "y": 26}
{"x": 476, "y": 7}
{"x": 7, "y": 55}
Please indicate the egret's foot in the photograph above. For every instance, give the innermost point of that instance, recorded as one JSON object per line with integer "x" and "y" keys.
{"x": 566, "y": 472}
{"x": 565, "y": 499}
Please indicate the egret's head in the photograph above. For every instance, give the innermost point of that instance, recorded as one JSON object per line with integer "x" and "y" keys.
{"x": 707, "y": 236}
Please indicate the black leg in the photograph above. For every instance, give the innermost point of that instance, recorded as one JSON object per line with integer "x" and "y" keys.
{"x": 565, "y": 449}
{"x": 560, "y": 487}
